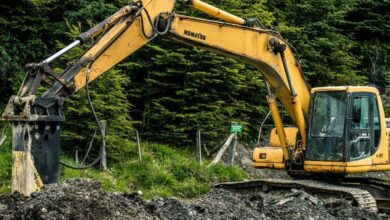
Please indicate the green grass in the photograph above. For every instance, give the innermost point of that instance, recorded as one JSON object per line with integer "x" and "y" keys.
{"x": 164, "y": 171}
{"x": 5, "y": 162}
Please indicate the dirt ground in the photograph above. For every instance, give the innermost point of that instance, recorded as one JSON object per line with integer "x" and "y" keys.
{"x": 84, "y": 199}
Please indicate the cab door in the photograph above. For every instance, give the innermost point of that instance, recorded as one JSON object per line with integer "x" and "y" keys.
{"x": 364, "y": 132}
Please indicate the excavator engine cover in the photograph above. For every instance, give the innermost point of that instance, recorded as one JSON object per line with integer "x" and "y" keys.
{"x": 272, "y": 155}
{"x": 268, "y": 157}
{"x": 36, "y": 141}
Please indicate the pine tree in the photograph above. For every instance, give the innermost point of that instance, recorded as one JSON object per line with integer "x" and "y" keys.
{"x": 109, "y": 98}
{"x": 368, "y": 23}
{"x": 178, "y": 90}
{"x": 313, "y": 28}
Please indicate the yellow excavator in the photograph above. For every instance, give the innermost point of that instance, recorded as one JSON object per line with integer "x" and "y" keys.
{"x": 338, "y": 130}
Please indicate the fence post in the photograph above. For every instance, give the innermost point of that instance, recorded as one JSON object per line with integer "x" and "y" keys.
{"x": 77, "y": 156}
{"x": 232, "y": 150}
{"x": 199, "y": 143}
{"x": 103, "y": 161}
{"x": 139, "y": 147}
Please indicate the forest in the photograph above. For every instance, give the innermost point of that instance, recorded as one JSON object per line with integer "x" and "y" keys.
{"x": 168, "y": 91}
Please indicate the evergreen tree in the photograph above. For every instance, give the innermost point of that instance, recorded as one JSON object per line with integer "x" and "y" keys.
{"x": 369, "y": 24}
{"x": 313, "y": 28}
{"x": 109, "y": 98}
{"x": 179, "y": 90}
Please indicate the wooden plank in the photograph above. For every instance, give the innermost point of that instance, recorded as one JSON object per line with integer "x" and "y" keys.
{"x": 25, "y": 178}
{"x": 222, "y": 150}
{"x": 232, "y": 150}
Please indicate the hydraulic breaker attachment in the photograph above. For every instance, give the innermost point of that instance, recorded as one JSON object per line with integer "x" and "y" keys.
{"x": 36, "y": 141}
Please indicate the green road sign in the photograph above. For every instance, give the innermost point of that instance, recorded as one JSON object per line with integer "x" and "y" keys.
{"x": 236, "y": 128}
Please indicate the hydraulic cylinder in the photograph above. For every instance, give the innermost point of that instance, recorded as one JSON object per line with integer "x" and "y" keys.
{"x": 216, "y": 12}
{"x": 278, "y": 124}
{"x": 300, "y": 118}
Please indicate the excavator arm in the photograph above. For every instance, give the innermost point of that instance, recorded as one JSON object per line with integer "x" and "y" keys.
{"x": 257, "y": 47}
{"x": 36, "y": 119}
{"x": 260, "y": 47}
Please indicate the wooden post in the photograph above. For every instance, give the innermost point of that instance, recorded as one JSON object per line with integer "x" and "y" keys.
{"x": 199, "y": 143}
{"x": 103, "y": 161}
{"x": 222, "y": 150}
{"x": 77, "y": 156}
{"x": 232, "y": 150}
{"x": 139, "y": 147}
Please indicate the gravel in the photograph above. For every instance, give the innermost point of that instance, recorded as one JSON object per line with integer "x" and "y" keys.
{"x": 84, "y": 199}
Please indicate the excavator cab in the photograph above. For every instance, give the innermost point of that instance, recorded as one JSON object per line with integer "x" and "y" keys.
{"x": 346, "y": 131}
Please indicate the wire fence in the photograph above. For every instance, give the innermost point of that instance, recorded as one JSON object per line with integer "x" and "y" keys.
{"x": 197, "y": 143}
{"x": 200, "y": 143}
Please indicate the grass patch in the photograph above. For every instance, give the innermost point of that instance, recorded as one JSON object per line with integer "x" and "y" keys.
{"x": 164, "y": 172}
{"x": 5, "y": 161}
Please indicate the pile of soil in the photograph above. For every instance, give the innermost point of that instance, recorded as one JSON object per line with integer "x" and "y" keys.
{"x": 75, "y": 199}
{"x": 84, "y": 199}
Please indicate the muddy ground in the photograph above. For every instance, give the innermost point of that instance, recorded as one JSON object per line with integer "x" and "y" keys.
{"x": 84, "y": 199}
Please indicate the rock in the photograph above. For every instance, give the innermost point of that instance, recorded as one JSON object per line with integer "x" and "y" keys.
{"x": 284, "y": 201}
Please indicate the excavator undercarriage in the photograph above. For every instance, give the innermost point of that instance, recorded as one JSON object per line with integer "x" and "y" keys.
{"x": 367, "y": 193}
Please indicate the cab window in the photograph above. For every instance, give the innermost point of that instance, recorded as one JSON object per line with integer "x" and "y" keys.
{"x": 360, "y": 134}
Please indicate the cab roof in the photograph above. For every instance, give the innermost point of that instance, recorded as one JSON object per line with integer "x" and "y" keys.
{"x": 349, "y": 89}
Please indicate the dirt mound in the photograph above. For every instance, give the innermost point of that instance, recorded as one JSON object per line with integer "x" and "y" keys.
{"x": 84, "y": 199}
{"x": 75, "y": 199}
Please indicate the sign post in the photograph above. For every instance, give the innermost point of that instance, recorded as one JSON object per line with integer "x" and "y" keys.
{"x": 235, "y": 128}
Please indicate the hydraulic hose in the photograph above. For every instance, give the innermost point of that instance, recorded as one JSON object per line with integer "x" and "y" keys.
{"x": 98, "y": 125}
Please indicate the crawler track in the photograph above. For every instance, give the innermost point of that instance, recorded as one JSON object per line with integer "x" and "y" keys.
{"x": 378, "y": 188}
{"x": 368, "y": 193}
